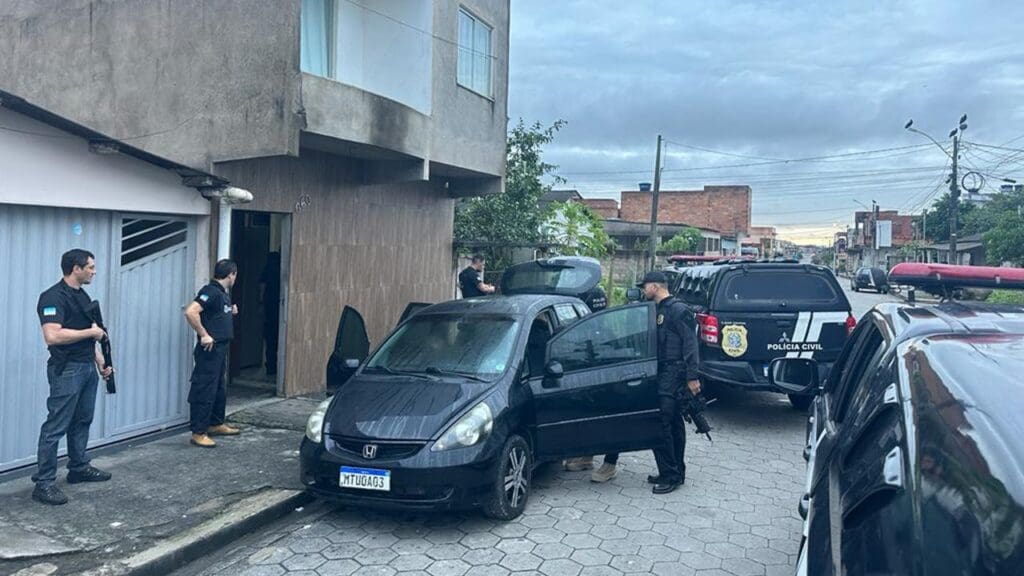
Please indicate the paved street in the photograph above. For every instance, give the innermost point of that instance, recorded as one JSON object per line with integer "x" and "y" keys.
{"x": 736, "y": 516}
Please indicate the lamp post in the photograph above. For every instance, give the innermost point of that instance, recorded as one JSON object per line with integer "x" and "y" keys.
{"x": 954, "y": 183}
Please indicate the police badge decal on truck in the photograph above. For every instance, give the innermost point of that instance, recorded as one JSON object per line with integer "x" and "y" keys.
{"x": 734, "y": 340}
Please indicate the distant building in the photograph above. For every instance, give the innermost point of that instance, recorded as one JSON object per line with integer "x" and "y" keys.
{"x": 723, "y": 208}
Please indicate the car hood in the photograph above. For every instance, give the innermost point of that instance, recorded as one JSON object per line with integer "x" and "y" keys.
{"x": 398, "y": 408}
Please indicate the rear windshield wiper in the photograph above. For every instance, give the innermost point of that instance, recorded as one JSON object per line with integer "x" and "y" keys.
{"x": 394, "y": 372}
{"x": 469, "y": 375}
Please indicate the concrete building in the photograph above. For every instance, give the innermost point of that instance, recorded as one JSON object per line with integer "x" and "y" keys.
{"x": 877, "y": 238}
{"x": 355, "y": 154}
{"x": 145, "y": 219}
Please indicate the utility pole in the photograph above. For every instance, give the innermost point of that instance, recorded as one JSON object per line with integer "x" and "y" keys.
{"x": 652, "y": 243}
{"x": 954, "y": 200}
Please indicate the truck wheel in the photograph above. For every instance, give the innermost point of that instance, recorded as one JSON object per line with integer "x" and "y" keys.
{"x": 800, "y": 402}
{"x": 511, "y": 487}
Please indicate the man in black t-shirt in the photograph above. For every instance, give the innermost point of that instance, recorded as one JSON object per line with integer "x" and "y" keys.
{"x": 71, "y": 371}
{"x": 471, "y": 280}
{"x": 211, "y": 315}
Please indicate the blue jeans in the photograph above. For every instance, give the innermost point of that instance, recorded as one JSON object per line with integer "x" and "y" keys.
{"x": 70, "y": 406}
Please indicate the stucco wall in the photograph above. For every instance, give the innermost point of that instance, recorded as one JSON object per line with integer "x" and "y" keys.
{"x": 194, "y": 81}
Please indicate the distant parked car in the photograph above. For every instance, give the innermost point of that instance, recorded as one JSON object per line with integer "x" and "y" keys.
{"x": 869, "y": 278}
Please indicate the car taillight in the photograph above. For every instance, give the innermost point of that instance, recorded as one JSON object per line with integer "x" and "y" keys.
{"x": 851, "y": 323}
{"x": 708, "y": 328}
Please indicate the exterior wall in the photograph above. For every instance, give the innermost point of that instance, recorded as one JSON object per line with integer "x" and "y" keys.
{"x": 607, "y": 208}
{"x": 207, "y": 80}
{"x": 373, "y": 247}
{"x": 44, "y": 166}
{"x": 469, "y": 129}
{"x": 723, "y": 208}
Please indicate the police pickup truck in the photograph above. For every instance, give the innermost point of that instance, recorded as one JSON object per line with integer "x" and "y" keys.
{"x": 915, "y": 443}
{"x": 750, "y": 313}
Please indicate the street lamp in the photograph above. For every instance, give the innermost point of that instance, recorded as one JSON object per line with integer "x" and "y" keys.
{"x": 954, "y": 184}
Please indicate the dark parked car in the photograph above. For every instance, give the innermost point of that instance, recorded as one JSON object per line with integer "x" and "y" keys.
{"x": 464, "y": 398}
{"x": 867, "y": 278}
{"x": 750, "y": 313}
{"x": 915, "y": 441}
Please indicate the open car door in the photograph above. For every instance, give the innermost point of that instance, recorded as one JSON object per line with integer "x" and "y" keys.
{"x": 351, "y": 347}
{"x": 598, "y": 393}
{"x": 410, "y": 309}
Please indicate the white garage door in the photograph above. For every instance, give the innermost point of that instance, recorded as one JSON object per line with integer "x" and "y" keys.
{"x": 144, "y": 277}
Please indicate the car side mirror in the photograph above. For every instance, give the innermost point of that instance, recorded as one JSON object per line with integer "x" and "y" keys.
{"x": 634, "y": 295}
{"x": 795, "y": 375}
{"x": 352, "y": 363}
{"x": 553, "y": 373}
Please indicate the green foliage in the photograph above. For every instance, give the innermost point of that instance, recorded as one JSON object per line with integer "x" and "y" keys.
{"x": 685, "y": 241}
{"x": 1006, "y": 297}
{"x": 514, "y": 216}
{"x": 576, "y": 229}
{"x": 938, "y": 219}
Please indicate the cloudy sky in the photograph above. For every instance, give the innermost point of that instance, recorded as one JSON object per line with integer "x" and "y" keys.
{"x": 765, "y": 88}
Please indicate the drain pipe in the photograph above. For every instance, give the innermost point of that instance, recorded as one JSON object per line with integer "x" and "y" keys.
{"x": 226, "y": 197}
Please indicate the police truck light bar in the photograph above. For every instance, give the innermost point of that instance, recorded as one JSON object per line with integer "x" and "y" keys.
{"x": 950, "y": 276}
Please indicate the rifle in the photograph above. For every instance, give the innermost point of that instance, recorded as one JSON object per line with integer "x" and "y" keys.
{"x": 94, "y": 314}
{"x": 693, "y": 411}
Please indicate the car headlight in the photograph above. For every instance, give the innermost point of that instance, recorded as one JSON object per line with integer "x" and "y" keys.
{"x": 315, "y": 424}
{"x": 468, "y": 431}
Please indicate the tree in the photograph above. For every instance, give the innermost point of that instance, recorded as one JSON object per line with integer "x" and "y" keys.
{"x": 576, "y": 229}
{"x": 514, "y": 216}
{"x": 685, "y": 241}
{"x": 1001, "y": 222}
{"x": 938, "y": 219}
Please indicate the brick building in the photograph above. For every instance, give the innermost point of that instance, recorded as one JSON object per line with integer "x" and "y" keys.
{"x": 723, "y": 208}
{"x": 606, "y": 208}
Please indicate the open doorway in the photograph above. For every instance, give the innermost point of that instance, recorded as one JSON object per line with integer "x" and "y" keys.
{"x": 259, "y": 245}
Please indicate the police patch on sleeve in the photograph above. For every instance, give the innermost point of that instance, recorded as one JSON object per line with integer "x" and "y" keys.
{"x": 204, "y": 297}
{"x": 50, "y": 311}
{"x": 734, "y": 340}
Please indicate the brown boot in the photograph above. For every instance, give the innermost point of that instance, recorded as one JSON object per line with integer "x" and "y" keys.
{"x": 203, "y": 441}
{"x": 223, "y": 430}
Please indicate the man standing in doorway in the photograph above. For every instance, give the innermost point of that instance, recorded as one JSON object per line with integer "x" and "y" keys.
{"x": 678, "y": 364}
{"x": 71, "y": 337}
{"x": 471, "y": 280}
{"x": 211, "y": 315}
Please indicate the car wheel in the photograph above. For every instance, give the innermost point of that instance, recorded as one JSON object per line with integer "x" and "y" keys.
{"x": 512, "y": 486}
{"x": 800, "y": 402}
{"x": 854, "y": 288}
{"x": 884, "y": 289}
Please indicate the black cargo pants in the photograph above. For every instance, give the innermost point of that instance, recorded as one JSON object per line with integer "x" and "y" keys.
{"x": 207, "y": 397}
{"x": 671, "y": 379}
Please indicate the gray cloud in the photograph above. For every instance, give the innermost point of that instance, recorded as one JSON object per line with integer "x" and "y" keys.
{"x": 779, "y": 79}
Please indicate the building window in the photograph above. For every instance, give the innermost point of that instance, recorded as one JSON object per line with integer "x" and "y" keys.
{"x": 315, "y": 33}
{"x": 474, "y": 54}
{"x": 345, "y": 40}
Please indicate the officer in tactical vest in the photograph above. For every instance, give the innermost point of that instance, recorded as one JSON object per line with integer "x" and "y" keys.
{"x": 677, "y": 367}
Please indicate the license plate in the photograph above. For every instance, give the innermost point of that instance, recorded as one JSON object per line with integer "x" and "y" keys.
{"x": 365, "y": 479}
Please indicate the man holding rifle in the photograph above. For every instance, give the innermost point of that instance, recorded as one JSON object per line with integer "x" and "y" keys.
{"x": 71, "y": 371}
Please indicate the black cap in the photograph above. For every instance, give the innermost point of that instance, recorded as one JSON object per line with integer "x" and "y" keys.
{"x": 653, "y": 278}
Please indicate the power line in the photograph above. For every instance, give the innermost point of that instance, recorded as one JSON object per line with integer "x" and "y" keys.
{"x": 421, "y": 30}
{"x": 849, "y": 155}
{"x": 102, "y": 139}
{"x": 719, "y": 152}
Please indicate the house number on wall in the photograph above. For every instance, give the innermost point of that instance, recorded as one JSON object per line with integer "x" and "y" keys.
{"x": 303, "y": 202}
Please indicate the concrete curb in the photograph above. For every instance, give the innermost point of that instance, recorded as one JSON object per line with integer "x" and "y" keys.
{"x": 242, "y": 518}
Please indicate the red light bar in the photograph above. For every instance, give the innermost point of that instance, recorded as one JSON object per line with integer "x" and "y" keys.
{"x": 950, "y": 276}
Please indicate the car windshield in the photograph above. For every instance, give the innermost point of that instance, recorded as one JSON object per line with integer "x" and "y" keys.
{"x": 474, "y": 346}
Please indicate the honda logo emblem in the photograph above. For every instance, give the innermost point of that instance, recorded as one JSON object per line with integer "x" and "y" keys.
{"x": 370, "y": 451}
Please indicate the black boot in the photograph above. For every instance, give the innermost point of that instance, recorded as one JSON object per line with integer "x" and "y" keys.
{"x": 89, "y": 474}
{"x": 49, "y": 494}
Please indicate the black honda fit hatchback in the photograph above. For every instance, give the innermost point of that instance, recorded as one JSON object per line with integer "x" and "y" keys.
{"x": 464, "y": 398}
